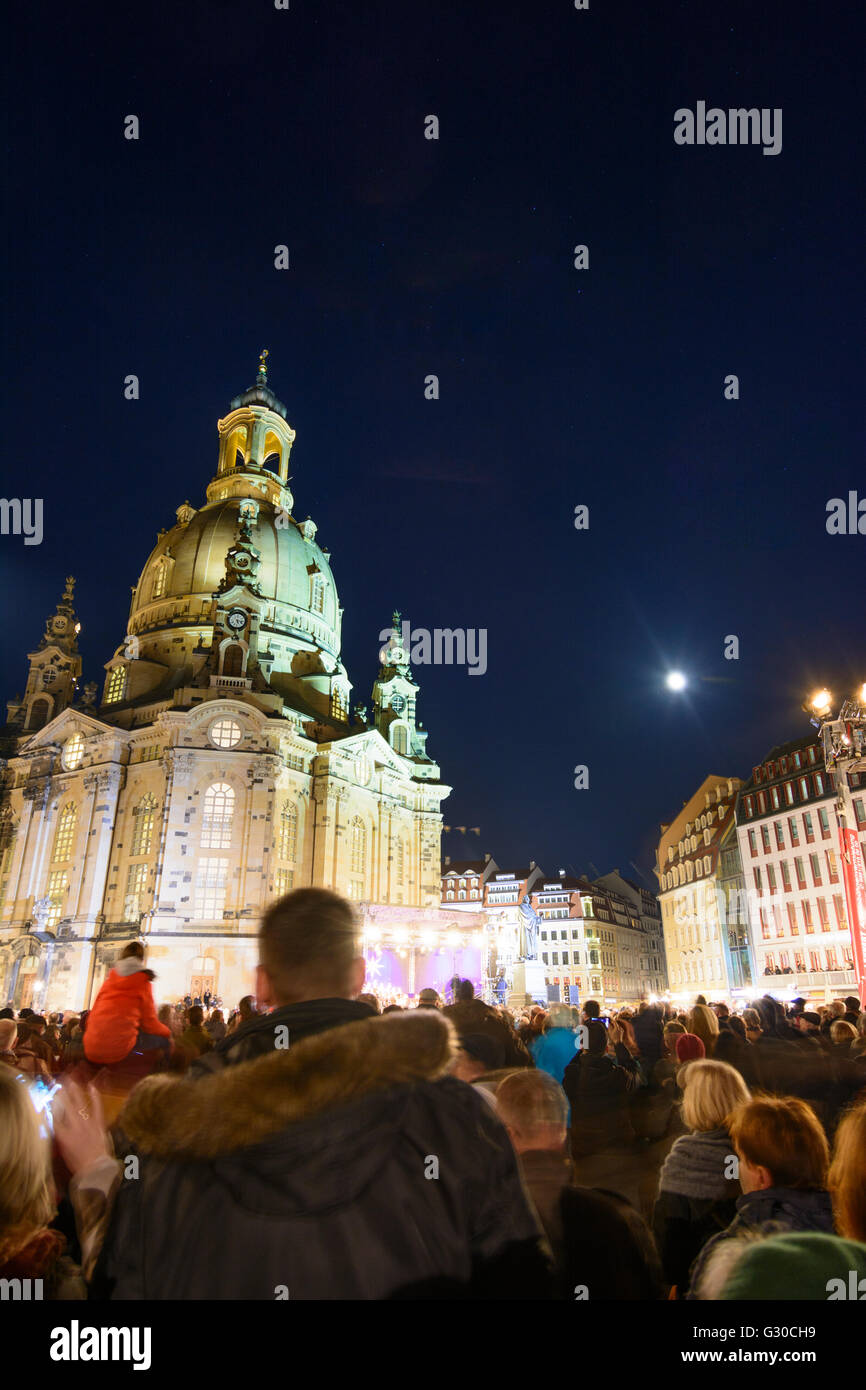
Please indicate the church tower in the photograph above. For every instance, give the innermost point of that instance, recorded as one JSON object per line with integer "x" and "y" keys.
{"x": 395, "y": 693}
{"x": 55, "y": 668}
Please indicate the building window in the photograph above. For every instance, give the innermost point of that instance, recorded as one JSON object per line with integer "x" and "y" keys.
{"x": 219, "y": 809}
{"x": 65, "y": 833}
{"x": 801, "y": 873}
{"x": 136, "y": 883}
{"x": 786, "y": 876}
{"x": 233, "y": 660}
{"x": 73, "y": 752}
{"x": 815, "y": 865}
{"x": 115, "y": 686}
{"x": 225, "y": 733}
{"x": 765, "y": 838}
{"x": 284, "y": 882}
{"x": 807, "y": 917}
{"x": 792, "y": 920}
{"x": 358, "y": 846}
{"x": 57, "y": 886}
{"x": 143, "y": 819}
{"x": 780, "y": 834}
{"x": 157, "y": 588}
{"x": 400, "y": 739}
{"x": 808, "y": 827}
{"x": 839, "y": 909}
{"x": 210, "y": 888}
{"x": 287, "y": 837}
{"x": 823, "y": 914}
{"x": 753, "y": 842}
{"x": 317, "y": 594}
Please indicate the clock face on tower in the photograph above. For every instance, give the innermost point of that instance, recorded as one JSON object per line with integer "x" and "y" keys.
{"x": 58, "y": 624}
{"x": 237, "y": 619}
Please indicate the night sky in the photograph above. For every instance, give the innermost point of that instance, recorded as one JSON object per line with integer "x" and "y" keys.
{"x": 558, "y": 387}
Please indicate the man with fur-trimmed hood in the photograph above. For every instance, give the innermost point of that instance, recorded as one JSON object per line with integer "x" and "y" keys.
{"x": 341, "y": 1161}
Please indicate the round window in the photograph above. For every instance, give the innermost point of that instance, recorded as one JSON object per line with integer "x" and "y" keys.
{"x": 226, "y": 733}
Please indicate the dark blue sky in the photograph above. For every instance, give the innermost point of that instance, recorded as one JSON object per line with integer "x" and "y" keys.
{"x": 558, "y": 387}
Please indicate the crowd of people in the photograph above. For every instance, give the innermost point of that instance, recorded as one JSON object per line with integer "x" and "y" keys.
{"x": 314, "y": 1144}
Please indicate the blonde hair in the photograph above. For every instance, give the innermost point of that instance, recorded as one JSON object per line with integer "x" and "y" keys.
{"x": 847, "y": 1179}
{"x": 26, "y": 1199}
{"x": 711, "y": 1092}
{"x": 705, "y": 1025}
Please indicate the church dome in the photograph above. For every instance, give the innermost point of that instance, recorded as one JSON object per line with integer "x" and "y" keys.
{"x": 244, "y": 535}
{"x": 188, "y": 565}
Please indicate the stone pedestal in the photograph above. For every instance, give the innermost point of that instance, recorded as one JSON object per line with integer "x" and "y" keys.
{"x": 529, "y": 986}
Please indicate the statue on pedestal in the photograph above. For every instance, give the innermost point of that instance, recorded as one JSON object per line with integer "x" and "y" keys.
{"x": 530, "y": 922}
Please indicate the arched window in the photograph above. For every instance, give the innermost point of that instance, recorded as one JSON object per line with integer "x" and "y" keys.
{"x": 339, "y": 707}
{"x": 317, "y": 594}
{"x": 400, "y": 739}
{"x": 219, "y": 810}
{"x": 39, "y": 714}
{"x": 65, "y": 835}
{"x": 358, "y": 846}
{"x": 233, "y": 659}
{"x": 143, "y": 818}
{"x": 115, "y": 686}
{"x": 287, "y": 833}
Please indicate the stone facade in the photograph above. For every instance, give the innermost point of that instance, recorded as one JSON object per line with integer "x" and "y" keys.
{"x": 223, "y": 766}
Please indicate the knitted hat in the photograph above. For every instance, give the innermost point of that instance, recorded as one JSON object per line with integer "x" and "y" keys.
{"x": 690, "y": 1048}
{"x": 799, "y": 1265}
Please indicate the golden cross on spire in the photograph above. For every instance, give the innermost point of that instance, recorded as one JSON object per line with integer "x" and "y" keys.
{"x": 263, "y": 364}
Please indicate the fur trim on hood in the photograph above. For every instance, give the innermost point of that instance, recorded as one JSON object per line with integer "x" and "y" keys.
{"x": 248, "y": 1103}
{"x": 129, "y": 965}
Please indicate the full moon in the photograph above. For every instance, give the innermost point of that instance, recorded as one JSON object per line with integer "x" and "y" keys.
{"x": 676, "y": 680}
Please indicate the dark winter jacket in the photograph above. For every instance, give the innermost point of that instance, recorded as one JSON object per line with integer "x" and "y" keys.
{"x": 695, "y": 1201}
{"x": 597, "y": 1088}
{"x": 349, "y": 1166}
{"x": 770, "y": 1212}
{"x": 259, "y": 1035}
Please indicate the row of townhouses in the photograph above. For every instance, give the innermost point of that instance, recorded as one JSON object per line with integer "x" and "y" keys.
{"x": 753, "y": 896}
{"x": 600, "y": 939}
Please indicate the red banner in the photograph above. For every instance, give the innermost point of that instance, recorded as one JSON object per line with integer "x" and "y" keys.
{"x": 855, "y": 892}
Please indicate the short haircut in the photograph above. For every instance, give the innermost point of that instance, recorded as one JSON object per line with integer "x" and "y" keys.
{"x": 841, "y": 1031}
{"x": 195, "y": 1016}
{"x": 307, "y": 942}
{"x": 531, "y": 1101}
{"x": 711, "y": 1092}
{"x": 464, "y": 992}
{"x": 596, "y": 1039}
{"x": 847, "y": 1177}
{"x": 783, "y": 1135}
{"x": 592, "y": 1008}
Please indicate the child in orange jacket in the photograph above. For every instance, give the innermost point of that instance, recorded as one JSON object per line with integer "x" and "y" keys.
{"x": 123, "y": 1019}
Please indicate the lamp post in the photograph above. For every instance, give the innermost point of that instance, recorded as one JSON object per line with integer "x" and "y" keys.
{"x": 843, "y": 739}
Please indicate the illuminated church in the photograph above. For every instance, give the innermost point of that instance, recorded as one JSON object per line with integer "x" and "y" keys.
{"x": 223, "y": 764}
